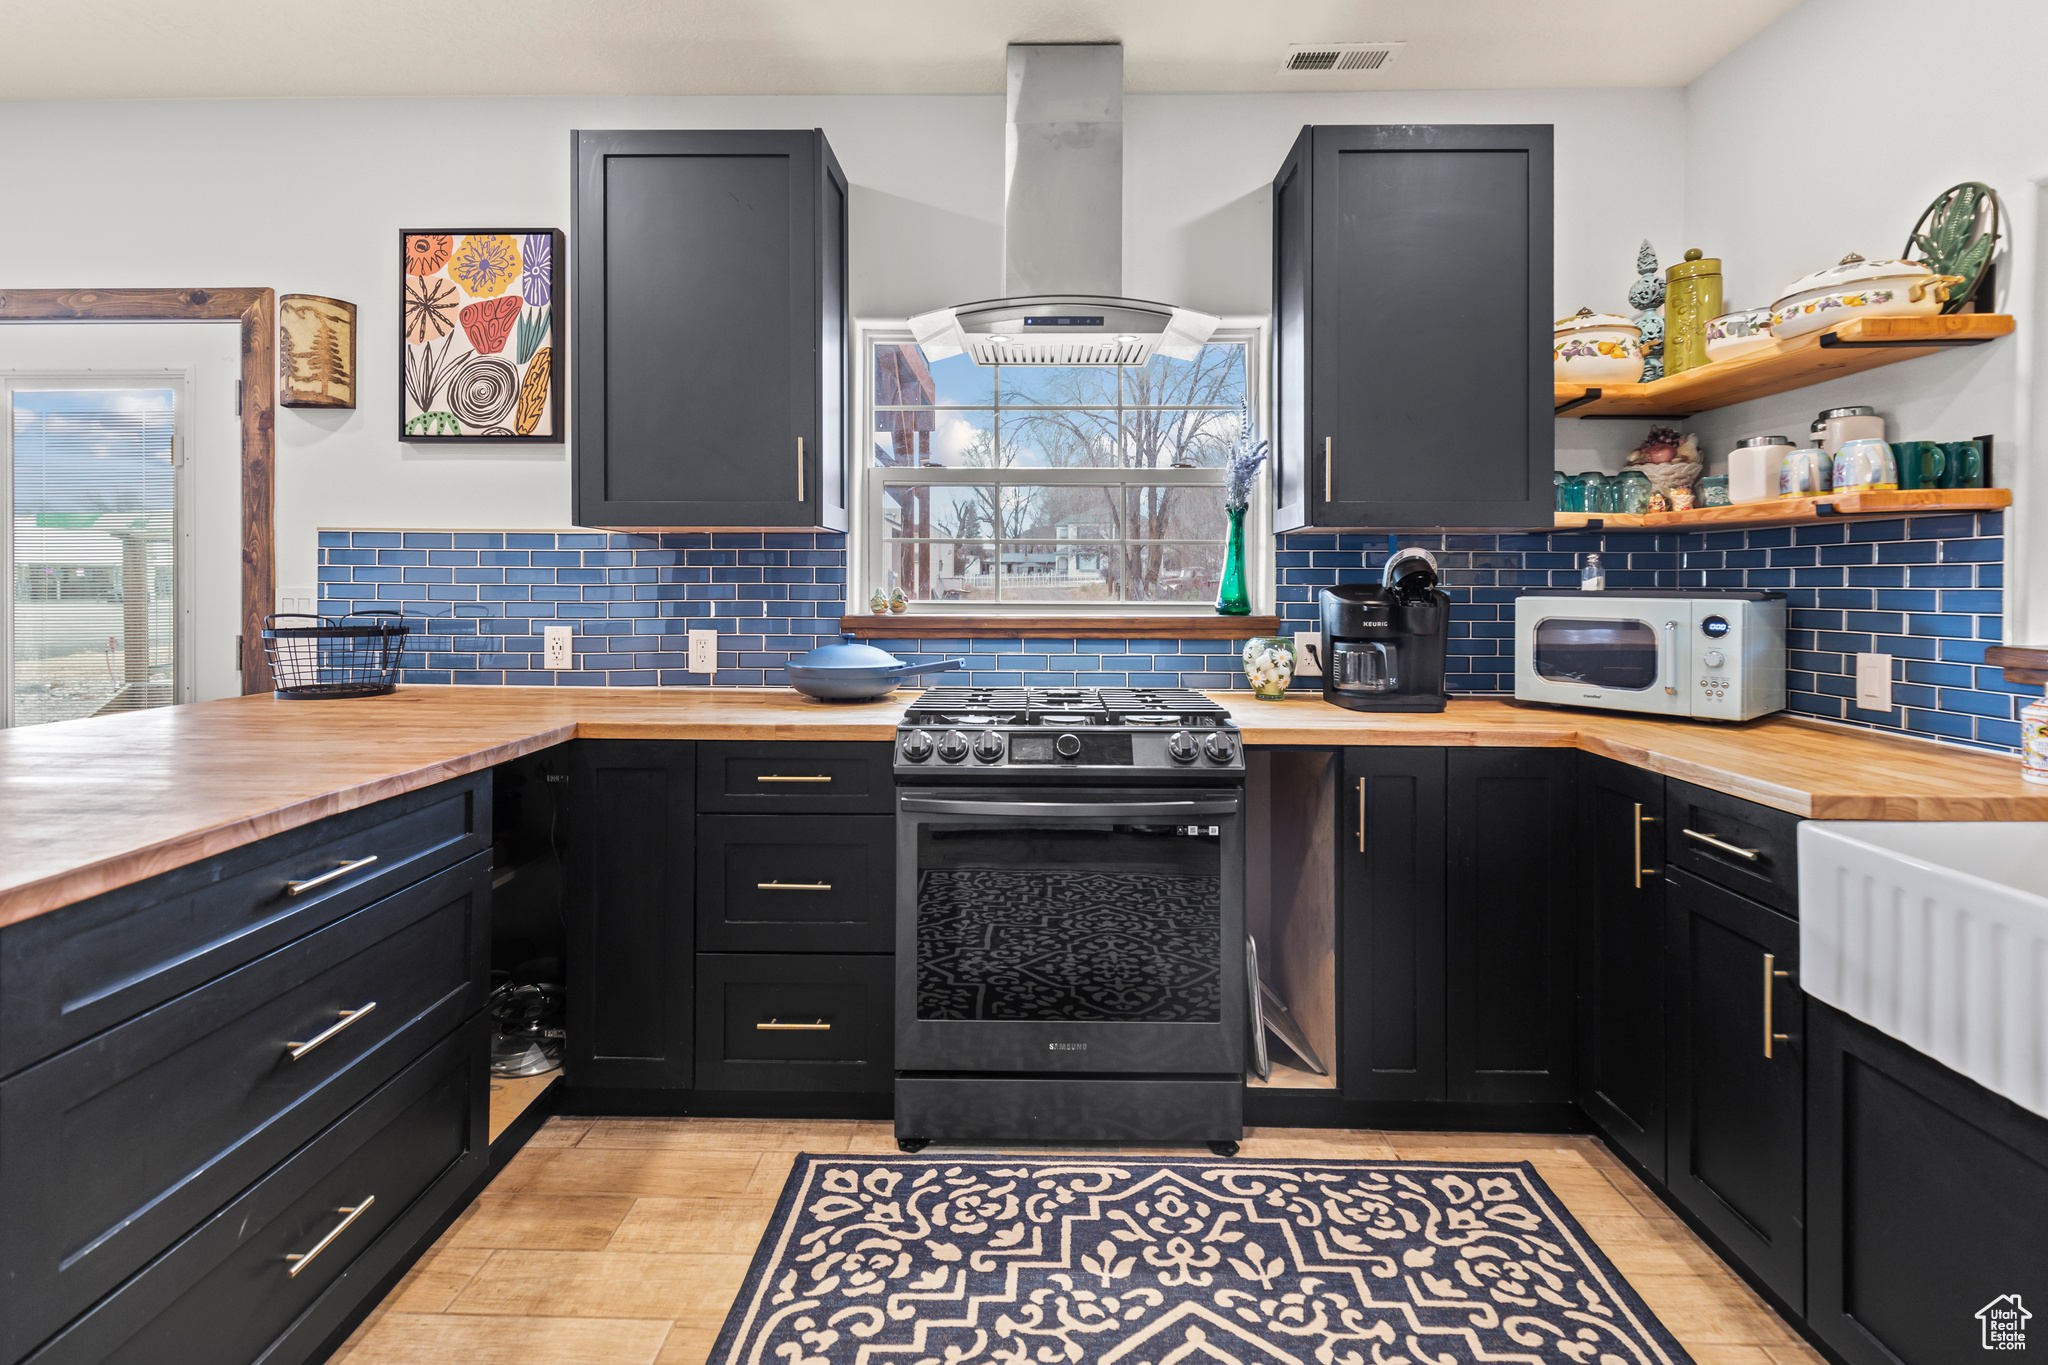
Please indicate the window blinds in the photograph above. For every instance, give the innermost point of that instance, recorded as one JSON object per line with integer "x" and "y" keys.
{"x": 92, "y": 548}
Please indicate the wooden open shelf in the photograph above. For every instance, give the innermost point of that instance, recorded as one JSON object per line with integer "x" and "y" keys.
{"x": 1856, "y": 345}
{"x": 1797, "y": 511}
{"x": 2022, "y": 663}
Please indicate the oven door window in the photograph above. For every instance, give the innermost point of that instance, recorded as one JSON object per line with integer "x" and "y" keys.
{"x": 1621, "y": 655}
{"x": 1070, "y": 922}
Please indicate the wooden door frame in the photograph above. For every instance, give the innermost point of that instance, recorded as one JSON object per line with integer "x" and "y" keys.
{"x": 256, "y": 310}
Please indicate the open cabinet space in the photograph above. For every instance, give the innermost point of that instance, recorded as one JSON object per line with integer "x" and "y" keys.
{"x": 1291, "y": 904}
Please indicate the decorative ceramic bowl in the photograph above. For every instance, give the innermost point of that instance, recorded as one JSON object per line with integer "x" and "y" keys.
{"x": 1738, "y": 334}
{"x": 1859, "y": 289}
{"x": 1596, "y": 348}
{"x": 1269, "y": 666}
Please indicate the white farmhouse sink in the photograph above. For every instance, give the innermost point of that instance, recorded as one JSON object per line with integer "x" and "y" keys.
{"x": 1935, "y": 932}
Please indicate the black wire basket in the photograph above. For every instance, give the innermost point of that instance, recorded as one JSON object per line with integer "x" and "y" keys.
{"x": 340, "y": 656}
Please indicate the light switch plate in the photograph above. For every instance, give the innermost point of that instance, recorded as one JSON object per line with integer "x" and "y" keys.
{"x": 297, "y": 602}
{"x": 1308, "y": 654}
{"x": 704, "y": 651}
{"x": 556, "y": 640}
{"x": 1874, "y": 682}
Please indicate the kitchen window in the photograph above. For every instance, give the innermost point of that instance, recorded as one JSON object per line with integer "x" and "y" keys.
{"x": 1027, "y": 490}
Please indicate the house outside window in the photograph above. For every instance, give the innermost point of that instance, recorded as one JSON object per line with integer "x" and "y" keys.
{"x": 1031, "y": 490}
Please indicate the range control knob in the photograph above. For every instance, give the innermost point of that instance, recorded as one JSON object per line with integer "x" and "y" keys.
{"x": 1180, "y": 747}
{"x": 1713, "y": 658}
{"x": 953, "y": 747}
{"x": 1219, "y": 747}
{"x": 916, "y": 746}
{"x": 1069, "y": 746}
{"x": 988, "y": 746}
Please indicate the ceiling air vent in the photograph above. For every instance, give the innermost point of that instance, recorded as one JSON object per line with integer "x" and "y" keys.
{"x": 1340, "y": 56}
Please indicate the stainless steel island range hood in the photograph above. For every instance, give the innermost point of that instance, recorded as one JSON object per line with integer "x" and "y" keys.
{"x": 1063, "y": 230}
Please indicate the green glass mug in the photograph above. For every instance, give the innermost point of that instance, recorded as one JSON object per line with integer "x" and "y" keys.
{"x": 1921, "y": 463}
{"x": 1965, "y": 464}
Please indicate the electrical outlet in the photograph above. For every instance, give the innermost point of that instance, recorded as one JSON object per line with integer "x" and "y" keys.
{"x": 1308, "y": 654}
{"x": 1874, "y": 682}
{"x": 704, "y": 651}
{"x": 557, "y": 641}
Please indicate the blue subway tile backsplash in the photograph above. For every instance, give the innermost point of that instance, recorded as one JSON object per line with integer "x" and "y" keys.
{"x": 1926, "y": 590}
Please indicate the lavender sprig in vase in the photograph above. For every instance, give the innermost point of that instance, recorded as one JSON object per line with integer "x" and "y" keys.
{"x": 1232, "y": 599}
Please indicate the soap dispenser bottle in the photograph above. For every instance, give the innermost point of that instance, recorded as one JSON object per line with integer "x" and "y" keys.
{"x": 1593, "y": 577}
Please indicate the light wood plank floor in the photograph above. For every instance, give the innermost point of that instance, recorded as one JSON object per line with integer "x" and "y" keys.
{"x": 623, "y": 1241}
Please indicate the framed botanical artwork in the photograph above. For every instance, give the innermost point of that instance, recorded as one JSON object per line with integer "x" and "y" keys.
{"x": 316, "y": 352}
{"x": 480, "y": 346}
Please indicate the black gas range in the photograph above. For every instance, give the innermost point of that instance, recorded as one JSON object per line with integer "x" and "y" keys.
{"x": 1037, "y": 734}
{"x": 1070, "y": 960}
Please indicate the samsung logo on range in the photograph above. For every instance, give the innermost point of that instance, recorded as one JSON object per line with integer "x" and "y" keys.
{"x": 1068, "y": 1047}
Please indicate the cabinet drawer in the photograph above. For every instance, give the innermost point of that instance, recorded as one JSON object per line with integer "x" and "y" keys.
{"x": 784, "y": 883}
{"x": 112, "y": 1150}
{"x": 224, "y": 1295}
{"x": 71, "y": 973}
{"x": 839, "y": 778}
{"x": 1772, "y": 836}
{"x": 790, "y": 1022}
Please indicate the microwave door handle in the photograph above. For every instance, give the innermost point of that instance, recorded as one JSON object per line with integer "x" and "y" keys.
{"x": 1667, "y": 659}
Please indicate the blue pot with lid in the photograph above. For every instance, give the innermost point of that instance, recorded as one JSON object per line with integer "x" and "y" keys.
{"x": 849, "y": 671}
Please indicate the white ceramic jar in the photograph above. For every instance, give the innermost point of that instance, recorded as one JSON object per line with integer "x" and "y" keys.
{"x": 1596, "y": 348}
{"x": 1836, "y": 427}
{"x": 1753, "y": 468}
{"x": 2034, "y": 741}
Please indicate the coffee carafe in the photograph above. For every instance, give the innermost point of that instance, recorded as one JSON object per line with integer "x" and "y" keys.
{"x": 1384, "y": 643}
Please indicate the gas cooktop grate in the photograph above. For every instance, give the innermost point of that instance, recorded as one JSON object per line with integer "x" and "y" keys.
{"x": 1063, "y": 705}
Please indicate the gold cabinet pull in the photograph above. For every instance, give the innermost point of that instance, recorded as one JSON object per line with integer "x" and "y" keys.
{"x": 1361, "y": 815}
{"x": 300, "y": 888}
{"x": 1772, "y": 976}
{"x": 792, "y": 886}
{"x": 777, "y": 1026}
{"x": 778, "y": 777}
{"x": 799, "y": 469}
{"x": 300, "y": 1260}
{"x": 1641, "y": 820}
{"x": 1326, "y": 469}
{"x": 1747, "y": 853}
{"x": 298, "y": 1050}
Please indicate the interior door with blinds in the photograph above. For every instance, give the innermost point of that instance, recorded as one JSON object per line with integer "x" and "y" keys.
{"x": 96, "y": 619}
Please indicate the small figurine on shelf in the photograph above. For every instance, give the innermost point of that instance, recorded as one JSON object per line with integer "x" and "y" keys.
{"x": 1671, "y": 462}
{"x": 898, "y": 603}
{"x": 879, "y": 603}
{"x": 1644, "y": 296}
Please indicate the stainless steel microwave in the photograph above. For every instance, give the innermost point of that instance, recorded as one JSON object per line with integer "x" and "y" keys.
{"x": 1710, "y": 655}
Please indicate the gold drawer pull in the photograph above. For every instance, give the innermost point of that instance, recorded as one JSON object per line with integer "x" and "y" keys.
{"x": 792, "y": 886}
{"x": 774, "y": 777}
{"x": 1772, "y": 975}
{"x": 777, "y": 1026}
{"x": 301, "y": 1260}
{"x": 348, "y": 1017}
{"x": 300, "y": 888}
{"x": 1749, "y": 853}
{"x": 1641, "y": 871}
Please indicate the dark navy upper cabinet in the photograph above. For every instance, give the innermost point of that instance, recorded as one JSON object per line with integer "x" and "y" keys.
{"x": 1412, "y": 310}
{"x": 710, "y": 297}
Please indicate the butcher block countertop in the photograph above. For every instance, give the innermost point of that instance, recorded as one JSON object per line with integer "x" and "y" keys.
{"x": 87, "y": 806}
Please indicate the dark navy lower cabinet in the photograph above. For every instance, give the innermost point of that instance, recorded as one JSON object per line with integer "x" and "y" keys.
{"x": 1928, "y": 1204}
{"x": 1734, "y": 1065}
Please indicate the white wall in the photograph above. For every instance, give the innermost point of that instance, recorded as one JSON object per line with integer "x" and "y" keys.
{"x": 309, "y": 196}
{"x": 1829, "y": 132}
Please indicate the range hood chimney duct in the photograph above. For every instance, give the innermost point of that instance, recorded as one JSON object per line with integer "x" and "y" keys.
{"x": 1063, "y": 203}
{"x": 1063, "y": 230}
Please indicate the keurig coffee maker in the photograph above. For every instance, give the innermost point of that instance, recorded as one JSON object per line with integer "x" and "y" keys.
{"x": 1385, "y": 643}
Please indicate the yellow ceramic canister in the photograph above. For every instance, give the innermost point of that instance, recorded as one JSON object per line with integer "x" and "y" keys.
{"x": 1692, "y": 296}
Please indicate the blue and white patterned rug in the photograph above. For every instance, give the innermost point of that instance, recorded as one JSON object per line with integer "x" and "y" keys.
{"x": 1135, "y": 1261}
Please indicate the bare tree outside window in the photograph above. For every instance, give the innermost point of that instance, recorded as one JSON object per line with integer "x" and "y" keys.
{"x": 1066, "y": 512}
